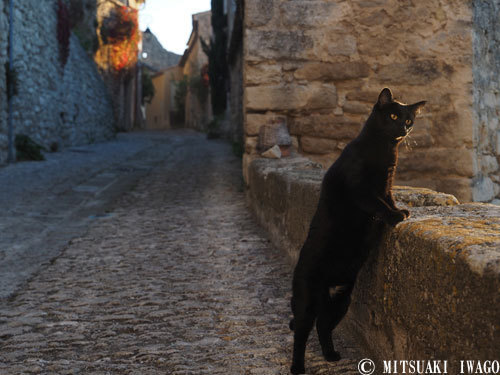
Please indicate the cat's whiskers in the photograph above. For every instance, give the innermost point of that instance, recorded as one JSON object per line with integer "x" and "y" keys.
{"x": 407, "y": 143}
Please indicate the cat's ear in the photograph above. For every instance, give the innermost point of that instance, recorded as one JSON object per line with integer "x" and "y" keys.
{"x": 415, "y": 108}
{"x": 385, "y": 97}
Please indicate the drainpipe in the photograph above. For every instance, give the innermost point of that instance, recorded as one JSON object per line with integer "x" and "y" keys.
{"x": 10, "y": 154}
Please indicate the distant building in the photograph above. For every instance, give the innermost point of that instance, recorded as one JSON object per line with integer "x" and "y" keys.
{"x": 194, "y": 64}
{"x": 162, "y": 66}
{"x": 160, "y": 113}
{"x": 153, "y": 55}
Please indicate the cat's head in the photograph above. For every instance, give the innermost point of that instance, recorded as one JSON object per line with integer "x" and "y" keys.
{"x": 394, "y": 119}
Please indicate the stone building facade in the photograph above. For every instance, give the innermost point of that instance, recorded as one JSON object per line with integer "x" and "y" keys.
{"x": 321, "y": 64}
{"x": 162, "y": 66}
{"x": 55, "y": 105}
{"x": 198, "y": 108}
{"x": 160, "y": 112}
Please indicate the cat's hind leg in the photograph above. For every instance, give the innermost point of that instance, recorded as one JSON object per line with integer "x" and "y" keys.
{"x": 304, "y": 310}
{"x": 333, "y": 307}
{"x": 291, "y": 325}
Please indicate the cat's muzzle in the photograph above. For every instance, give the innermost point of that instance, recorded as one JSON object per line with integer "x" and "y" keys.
{"x": 408, "y": 130}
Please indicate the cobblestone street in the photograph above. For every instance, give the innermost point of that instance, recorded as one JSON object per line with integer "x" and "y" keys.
{"x": 175, "y": 278}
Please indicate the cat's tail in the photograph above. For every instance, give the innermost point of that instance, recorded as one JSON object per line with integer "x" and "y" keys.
{"x": 292, "y": 324}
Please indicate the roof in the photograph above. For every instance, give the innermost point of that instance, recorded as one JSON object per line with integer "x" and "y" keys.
{"x": 194, "y": 36}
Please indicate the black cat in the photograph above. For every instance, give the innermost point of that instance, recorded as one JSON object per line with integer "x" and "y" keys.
{"x": 355, "y": 200}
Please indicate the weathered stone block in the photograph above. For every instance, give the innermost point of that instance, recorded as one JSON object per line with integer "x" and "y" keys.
{"x": 327, "y": 126}
{"x": 342, "y": 45}
{"x": 266, "y": 44}
{"x": 460, "y": 187}
{"x": 357, "y": 108}
{"x": 421, "y": 197}
{"x": 272, "y": 153}
{"x": 288, "y": 97}
{"x": 363, "y": 95}
{"x": 483, "y": 189}
{"x": 312, "y": 14}
{"x": 314, "y": 145}
{"x": 259, "y": 12}
{"x": 369, "y": 3}
{"x": 438, "y": 161}
{"x": 415, "y": 72}
{"x": 255, "y": 120}
{"x": 332, "y": 71}
{"x": 453, "y": 128}
{"x": 376, "y": 47}
{"x": 489, "y": 164}
{"x": 262, "y": 74}
{"x": 325, "y": 160}
{"x": 247, "y": 160}
{"x": 251, "y": 145}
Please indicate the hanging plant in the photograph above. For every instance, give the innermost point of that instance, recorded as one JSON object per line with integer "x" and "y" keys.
{"x": 204, "y": 75}
{"x": 63, "y": 31}
{"x": 120, "y": 30}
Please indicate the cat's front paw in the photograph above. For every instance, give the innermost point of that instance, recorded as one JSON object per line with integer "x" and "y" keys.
{"x": 406, "y": 213}
{"x": 332, "y": 356}
{"x": 395, "y": 217}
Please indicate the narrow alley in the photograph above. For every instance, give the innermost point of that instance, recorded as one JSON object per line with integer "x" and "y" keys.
{"x": 171, "y": 275}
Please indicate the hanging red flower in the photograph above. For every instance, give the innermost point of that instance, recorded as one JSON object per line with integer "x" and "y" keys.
{"x": 204, "y": 75}
{"x": 121, "y": 31}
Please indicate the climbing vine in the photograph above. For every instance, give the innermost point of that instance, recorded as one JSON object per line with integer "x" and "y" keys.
{"x": 63, "y": 31}
{"x": 199, "y": 84}
{"x": 148, "y": 88}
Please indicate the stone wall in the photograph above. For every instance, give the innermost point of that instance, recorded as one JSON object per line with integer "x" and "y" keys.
{"x": 486, "y": 93}
{"x": 67, "y": 106}
{"x": 321, "y": 64}
{"x": 4, "y": 33}
{"x": 430, "y": 291}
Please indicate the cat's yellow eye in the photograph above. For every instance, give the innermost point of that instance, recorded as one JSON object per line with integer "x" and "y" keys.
{"x": 393, "y": 116}
{"x": 408, "y": 122}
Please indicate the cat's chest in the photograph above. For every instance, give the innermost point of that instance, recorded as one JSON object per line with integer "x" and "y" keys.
{"x": 378, "y": 177}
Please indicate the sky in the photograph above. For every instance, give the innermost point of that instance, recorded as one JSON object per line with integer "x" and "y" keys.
{"x": 170, "y": 21}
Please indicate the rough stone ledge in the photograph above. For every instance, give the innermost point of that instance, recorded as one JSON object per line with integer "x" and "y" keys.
{"x": 431, "y": 290}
